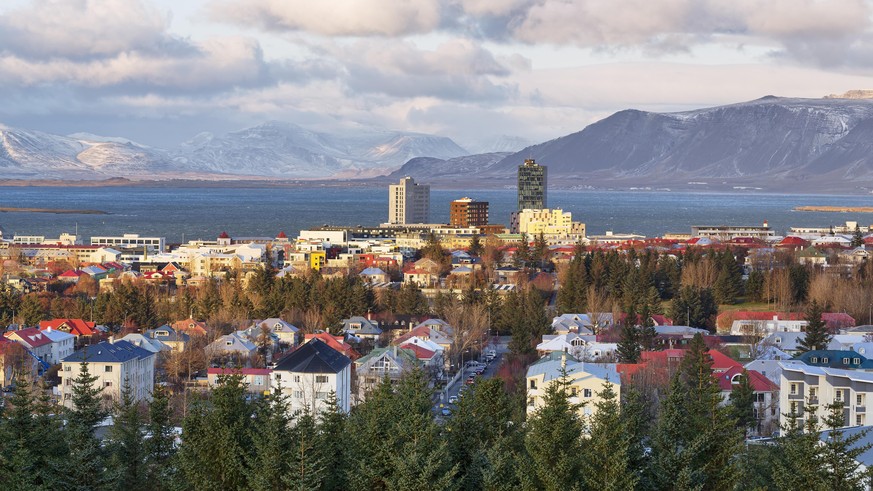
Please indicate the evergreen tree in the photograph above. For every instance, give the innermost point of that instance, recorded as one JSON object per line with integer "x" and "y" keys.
{"x": 798, "y": 279}
{"x": 857, "y": 237}
{"x": 695, "y": 306}
{"x": 608, "y": 455}
{"x": 628, "y": 350}
{"x": 30, "y": 310}
{"x": 306, "y": 469}
{"x": 215, "y": 439}
{"x": 522, "y": 253}
{"x": 161, "y": 444}
{"x": 83, "y": 469}
{"x": 742, "y": 402}
{"x": 573, "y": 292}
{"x": 798, "y": 463}
{"x": 272, "y": 445}
{"x": 817, "y": 336}
{"x": 841, "y": 451}
{"x": 475, "y": 248}
{"x": 332, "y": 445}
{"x": 554, "y": 439}
{"x": 755, "y": 286}
{"x": 127, "y": 453}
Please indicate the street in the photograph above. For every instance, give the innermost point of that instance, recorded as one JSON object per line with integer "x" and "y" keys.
{"x": 500, "y": 347}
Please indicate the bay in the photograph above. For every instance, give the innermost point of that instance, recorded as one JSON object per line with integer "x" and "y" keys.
{"x": 193, "y": 213}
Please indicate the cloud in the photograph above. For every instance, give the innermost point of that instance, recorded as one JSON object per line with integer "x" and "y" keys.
{"x": 334, "y": 18}
{"x": 83, "y": 28}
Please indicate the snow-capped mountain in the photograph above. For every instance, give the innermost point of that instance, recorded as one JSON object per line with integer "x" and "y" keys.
{"x": 499, "y": 143}
{"x": 273, "y": 149}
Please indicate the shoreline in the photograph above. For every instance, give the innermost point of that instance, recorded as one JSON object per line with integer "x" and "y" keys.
{"x": 836, "y": 209}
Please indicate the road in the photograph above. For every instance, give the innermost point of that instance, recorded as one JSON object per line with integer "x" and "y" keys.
{"x": 501, "y": 347}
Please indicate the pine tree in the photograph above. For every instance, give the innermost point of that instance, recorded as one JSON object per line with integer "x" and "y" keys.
{"x": 742, "y": 402}
{"x": 127, "y": 453}
{"x": 798, "y": 463}
{"x": 522, "y": 253}
{"x": 554, "y": 439}
{"x": 857, "y": 237}
{"x": 161, "y": 444}
{"x": 83, "y": 469}
{"x": 306, "y": 469}
{"x": 30, "y": 311}
{"x": 608, "y": 457}
{"x": 332, "y": 445}
{"x": 215, "y": 439}
{"x": 628, "y": 349}
{"x": 817, "y": 336}
{"x": 475, "y": 248}
{"x": 841, "y": 452}
{"x": 272, "y": 444}
{"x": 755, "y": 286}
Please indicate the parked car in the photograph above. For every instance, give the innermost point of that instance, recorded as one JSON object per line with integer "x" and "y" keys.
{"x": 446, "y": 411}
{"x": 453, "y": 400}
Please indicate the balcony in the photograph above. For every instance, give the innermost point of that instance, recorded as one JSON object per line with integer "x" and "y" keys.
{"x": 860, "y": 409}
{"x": 795, "y": 397}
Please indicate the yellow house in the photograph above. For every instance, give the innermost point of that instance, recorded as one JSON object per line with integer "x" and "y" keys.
{"x": 316, "y": 259}
{"x": 585, "y": 381}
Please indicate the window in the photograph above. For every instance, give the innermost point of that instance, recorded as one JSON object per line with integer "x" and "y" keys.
{"x": 845, "y": 361}
{"x": 278, "y": 376}
{"x": 108, "y": 368}
{"x": 531, "y": 402}
{"x": 298, "y": 394}
{"x": 859, "y": 399}
{"x": 533, "y": 384}
{"x": 586, "y": 392}
{"x": 838, "y": 396}
{"x": 321, "y": 395}
{"x": 856, "y": 361}
{"x": 297, "y": 378}
{"x": 68, "y": 368}
{"x": 68, "y": 382}
{"x": 321, "y": 379}
{"x": 813, "y": 359}
{"x": 574, "y": 391}
{"x": 859, "y": 419}
{"x": 107, "y": 384}
{"x": 824, "y": 359}
{"x": 793, "y": 389}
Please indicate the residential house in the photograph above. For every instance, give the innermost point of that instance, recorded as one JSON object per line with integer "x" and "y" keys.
{"x": 585, "y": 381}
{"x": 766, "y": 397}
{"x": 35, "y": 342}
{"x": 63, "y": 345}
{"x": 361, "y": 327}
{"x": 788, "y": 342}
{"x": 146, "y": 343}
{"x": 114, "y": 364}
{"x": 231, "y": 345}
{"x": 257, "y": 380}
{"x": 190, "y": 326}
{"x": 310, "y": 373}
{"x": 821, "y": 386}
{"x": 748, "y": 323}
{"x": 578, "y": 323}
{"x": 170, "y": 337}
{"x": 435, "y": 331}
{"x": 391, "y": 362}
{"x": 581, "y": 347}
{"x": 77, "y": 327}
{"x": 374, "y": 275}
{"x": 285, "y": 332}
{"x": 842, "y": 359}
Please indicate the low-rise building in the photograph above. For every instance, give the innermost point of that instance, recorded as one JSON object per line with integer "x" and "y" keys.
{"x": 820, "y": 386}
{"x": 114, "y": 364}
{"x": 585, "y": 381}
{"x": 310, "y": 373}
{"x": 391, "y": 362}
{"x": 257, "y": 380}
{"x": 63, "y": 345}
{"x": 168, "y": 336}
{"x": 285, "y": 332}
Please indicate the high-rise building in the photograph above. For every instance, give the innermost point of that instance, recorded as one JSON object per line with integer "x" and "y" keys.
{"x": 408, "y": 202}
{"x": 531, "y": 186}
{"x": 467, "y": 212}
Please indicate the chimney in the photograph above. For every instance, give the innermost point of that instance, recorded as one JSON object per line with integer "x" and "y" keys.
{"x": 410, "y": 326}
{"x": 111, "y": 339}
{"x": 369, "y": 315}
{"x": 766, "y": 224}
{"x": 395, "y": 351}
{"x": 564, "y": 361}
{"x": 775, "y": 317}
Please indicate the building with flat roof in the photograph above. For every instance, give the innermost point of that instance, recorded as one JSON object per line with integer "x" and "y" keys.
{"x": 731, "y": 232}
{"x": 467, "y": 212}
{"x": 153, "y": 244}
{"x": 532, "y": 185}
{"x": 408, "y": 202}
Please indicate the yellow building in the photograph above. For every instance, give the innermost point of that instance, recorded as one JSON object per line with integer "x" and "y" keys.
{"x": 317, "y": 259}
{"x": 585, "y": 381}
{"x": 552, "y": 223}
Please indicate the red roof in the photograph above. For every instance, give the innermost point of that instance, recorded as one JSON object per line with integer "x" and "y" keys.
{"x": 190, "y": 326}
{"x": 422, "y": 332}
{"x": 71, "y": 273}
{"x": 281, "y": 235}
{"x": 76, "y": 327}
{"x": 834, "y": 320}
{"x": 793, "y": 242}
{"x": 32, "y": 337}
{"x": 224, "y": 235}
{"x": 420, "y": 353}
{"x": 759, "y": 382}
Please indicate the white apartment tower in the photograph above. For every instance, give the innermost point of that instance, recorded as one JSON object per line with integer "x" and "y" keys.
{"x": 408, "y": 202}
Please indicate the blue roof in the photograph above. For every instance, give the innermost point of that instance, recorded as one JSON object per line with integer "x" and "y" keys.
{"x": 106, "y": 352}
{"x": 835, "y": 359}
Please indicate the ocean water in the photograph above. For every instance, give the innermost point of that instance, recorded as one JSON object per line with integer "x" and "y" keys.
{"x": 191, "y": 213}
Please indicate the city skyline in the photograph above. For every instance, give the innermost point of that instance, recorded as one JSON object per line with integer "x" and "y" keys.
{"x": 159, "y": 72}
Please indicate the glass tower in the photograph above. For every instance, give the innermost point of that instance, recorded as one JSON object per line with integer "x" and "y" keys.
{"x": 531, "y": 186}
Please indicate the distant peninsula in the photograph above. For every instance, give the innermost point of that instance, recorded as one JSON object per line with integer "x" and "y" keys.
{"x": 837, "y": 209}
{"x": 60, "y": 211}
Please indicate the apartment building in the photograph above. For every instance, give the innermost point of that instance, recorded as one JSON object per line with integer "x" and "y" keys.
{"x": 467, "y": 212}
{"x": 802, "y": 384}
{"x": 408, "y": 202}
{"x": 532, "y": 185}
{"x": 114, "y": 364}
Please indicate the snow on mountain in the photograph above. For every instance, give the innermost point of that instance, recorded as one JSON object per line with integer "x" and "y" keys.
{"x": 499, "y": 143}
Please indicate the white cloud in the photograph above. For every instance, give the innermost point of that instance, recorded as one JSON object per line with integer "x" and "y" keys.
{"x": 334, "y": 18}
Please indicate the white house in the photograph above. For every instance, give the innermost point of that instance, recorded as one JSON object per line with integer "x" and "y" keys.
{"x": 802, "y": 384}
{"x": 114, "y": 364}
{"x": 34, "y": 341}
{"x": 581, "y": 347}
{"x": 63, "y": 345}
{"x": 578, "y": 323}
{"x": 310, "y": 373}
{"x": 285, "y": 332}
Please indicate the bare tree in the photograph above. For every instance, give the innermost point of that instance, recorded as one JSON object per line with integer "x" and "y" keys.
{"x": 470, "y": 325}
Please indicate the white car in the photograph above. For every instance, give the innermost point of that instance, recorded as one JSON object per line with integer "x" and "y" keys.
{"x": 453, "y": 400}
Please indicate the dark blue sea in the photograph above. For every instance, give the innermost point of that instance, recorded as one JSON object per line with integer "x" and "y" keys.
{"x": 192, "y": 213}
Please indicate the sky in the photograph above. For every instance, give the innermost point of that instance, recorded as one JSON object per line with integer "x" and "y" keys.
{"x": 161, "y": 71}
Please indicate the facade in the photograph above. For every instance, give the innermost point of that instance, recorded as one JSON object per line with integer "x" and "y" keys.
{"x": 532, "y": 185}
{"x": 467, "y": 212}
{"x": 585, "y": 382}
{"x": 63, "y": 345}
{"x": 408, "y": 202}
{"x": 285, "y": 332}
{"x": 126, "y": 241}
{"x": 310, "y": 373}
{"x": 730, "y": 232}
{"x": 553, "y": 224}
{"x": 114, "y": 364}
{"x": 257, "y": 380}
{"x": 390, "y": 362}
{"x": 802, "y": 384}
{"x": 34, "y": 341}
{"x": 169, "y": 337}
